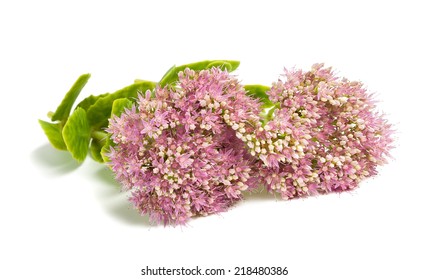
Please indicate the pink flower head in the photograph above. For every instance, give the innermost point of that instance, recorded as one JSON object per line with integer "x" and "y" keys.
{"x": 325, "y": 133}
{"x": 177, "y": 153}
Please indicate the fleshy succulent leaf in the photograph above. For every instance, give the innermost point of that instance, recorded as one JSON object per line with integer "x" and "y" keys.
{"x": 100, "y": 111}
{"x": 259, "y": 92}
{"x": 53, "y": 132}
{"x": 95, "y": 150}
{"x": 106, "y": 149}
{"x": 119, "y": 105}
{"x": 77, "y": 134}
{"x": 90, "y": 100}
{"x": 64, "y": 109}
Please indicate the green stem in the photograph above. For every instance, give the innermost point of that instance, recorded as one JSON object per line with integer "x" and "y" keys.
{"x": 99, "y": 136}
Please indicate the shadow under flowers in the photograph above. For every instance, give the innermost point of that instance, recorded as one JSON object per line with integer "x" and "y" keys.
{"x": 55, "y": 162}
{"x": 260, "y": 194}
{"x": 116, "y": 201}
{"x": 58, "y": 163}
{"x": 108, "y": 190}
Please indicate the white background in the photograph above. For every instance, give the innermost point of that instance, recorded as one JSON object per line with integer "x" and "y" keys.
{"x": 64, "y": 221}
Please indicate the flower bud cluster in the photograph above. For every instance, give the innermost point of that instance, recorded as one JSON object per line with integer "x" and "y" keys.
{"x": 332, "y": 136}
{"x": 176, "y": 152}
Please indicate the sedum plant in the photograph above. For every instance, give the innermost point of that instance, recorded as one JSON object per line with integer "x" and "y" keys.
{"x": 194, "y": 142}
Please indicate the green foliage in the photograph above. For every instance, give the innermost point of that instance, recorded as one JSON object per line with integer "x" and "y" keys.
{"x": 77, "y": 134}
{"x": 268, "y": 108}
{"x": 268, "y": 112}
{"x": 90, "y": 100}
{"x": 119, "y": 105}
{"x": 64, "y": 109}
{"x": 95, "y": 149}
{"x": 106, "y": 149}
{"x": 100, "y": 111}
{"x": 258, "y": 92}
{"x": 53, "y": 132}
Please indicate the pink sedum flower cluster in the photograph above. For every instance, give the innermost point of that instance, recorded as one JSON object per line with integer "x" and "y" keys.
{"x": 324, "y": 137}
{"x": 192, "y": 148}
{"x": 177, "y": 152}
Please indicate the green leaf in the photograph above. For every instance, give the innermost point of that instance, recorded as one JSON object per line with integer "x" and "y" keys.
{"x": 90, "y": 100}
{"x": 95, "y": 149}
{"x": 64, "y": 109}
{"x": 77, "y": 134}
{"x": 268, "y": 108}
{"x": 99, "y": 138}
{"x": 172, "y": 74}
{"x": 259, "y": 92}
{"x": 268, "y": 112}
{"x": 106, "y": 149}
{"x": 119, "y": 105}
{"x": 100, "y": 111}
{"x": 169, "y": 76}
{"x": 53, "y": 132}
